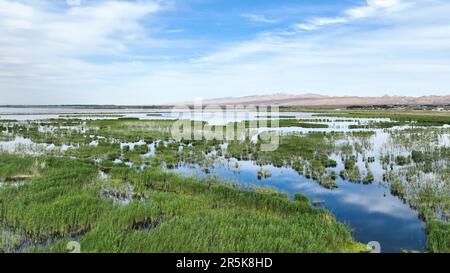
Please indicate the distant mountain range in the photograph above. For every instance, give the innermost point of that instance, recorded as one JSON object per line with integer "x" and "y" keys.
{"x": 320, "y": 100}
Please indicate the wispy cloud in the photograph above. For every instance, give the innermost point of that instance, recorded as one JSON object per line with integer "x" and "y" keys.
{"x": 174, "y": 30}
{"x": 259, "y": 18}
{"x": 73, "y": 2}
{"x": 371, "y": 8}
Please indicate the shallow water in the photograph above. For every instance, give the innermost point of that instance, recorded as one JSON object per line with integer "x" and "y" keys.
{"x": 25, "y": 145}
{"x": 38, "y": 113}
{"x": 371, "y": 211}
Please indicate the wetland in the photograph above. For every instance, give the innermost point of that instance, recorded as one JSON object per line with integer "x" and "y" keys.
{"x": 117, "y": 181}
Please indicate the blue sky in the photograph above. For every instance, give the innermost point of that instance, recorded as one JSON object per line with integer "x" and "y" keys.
{"x": 162, "y": 51}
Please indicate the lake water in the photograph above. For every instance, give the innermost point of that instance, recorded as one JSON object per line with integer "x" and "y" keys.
{"x": 371, "y": 212}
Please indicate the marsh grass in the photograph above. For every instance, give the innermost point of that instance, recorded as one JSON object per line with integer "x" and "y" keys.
{"x": 45, "y": 208}
{"x": 417, "y": 119}
{"x": 179, "y": 214}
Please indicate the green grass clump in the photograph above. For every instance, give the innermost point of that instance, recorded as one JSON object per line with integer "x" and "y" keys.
{"x": 154, "y": 115}
{"x": 281, "y": 122}
{"x": 128, "y": 119}
{"x": 438, "y": 239}
{"x": 312, "y": 125}
{"x": 402, "y": 160}
{"x": 56, "y": 203}
{"x": 104, "y": 150}
{"x": 141, "y": 149}
{"x": 16, "y": 165}
{"x": 375, "y": 125}
{"x": 328, "y": 181}
{"x": 301, "y": 198}
{"x": 369, "y": 178}
{"x": 398, "y": 188}
{"x": 351, "y": 171}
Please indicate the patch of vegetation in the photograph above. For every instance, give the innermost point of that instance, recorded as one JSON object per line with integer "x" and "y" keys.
{"x": 375, "y": 125}
{"x": 369, "y": 178}
{"x": 398, "y": 188}
{"x": 301, "y": 198}
{"x": 417, "y": 119}
{"x": 180, "y": 214}
{"x": 281, "y": 123}
{"x": 402, "y": 160}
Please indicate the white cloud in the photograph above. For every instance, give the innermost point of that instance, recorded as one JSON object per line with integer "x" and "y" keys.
{"x": 73, "y": 2}
{"x": 43, "y": 49}
{"x": 383, "y": 3}
{"x": 259, "y": 18}
{"x": 306, "y": 27}
{"x": 371, "y": 8}
{"x": 32, "y": 32}
{"x": 174, "y": 30}
{"x": 388, "y": 206}
{"x": 315, "y": 23}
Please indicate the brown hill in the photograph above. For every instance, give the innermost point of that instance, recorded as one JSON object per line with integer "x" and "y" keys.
{"x": 320, "y": 100}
